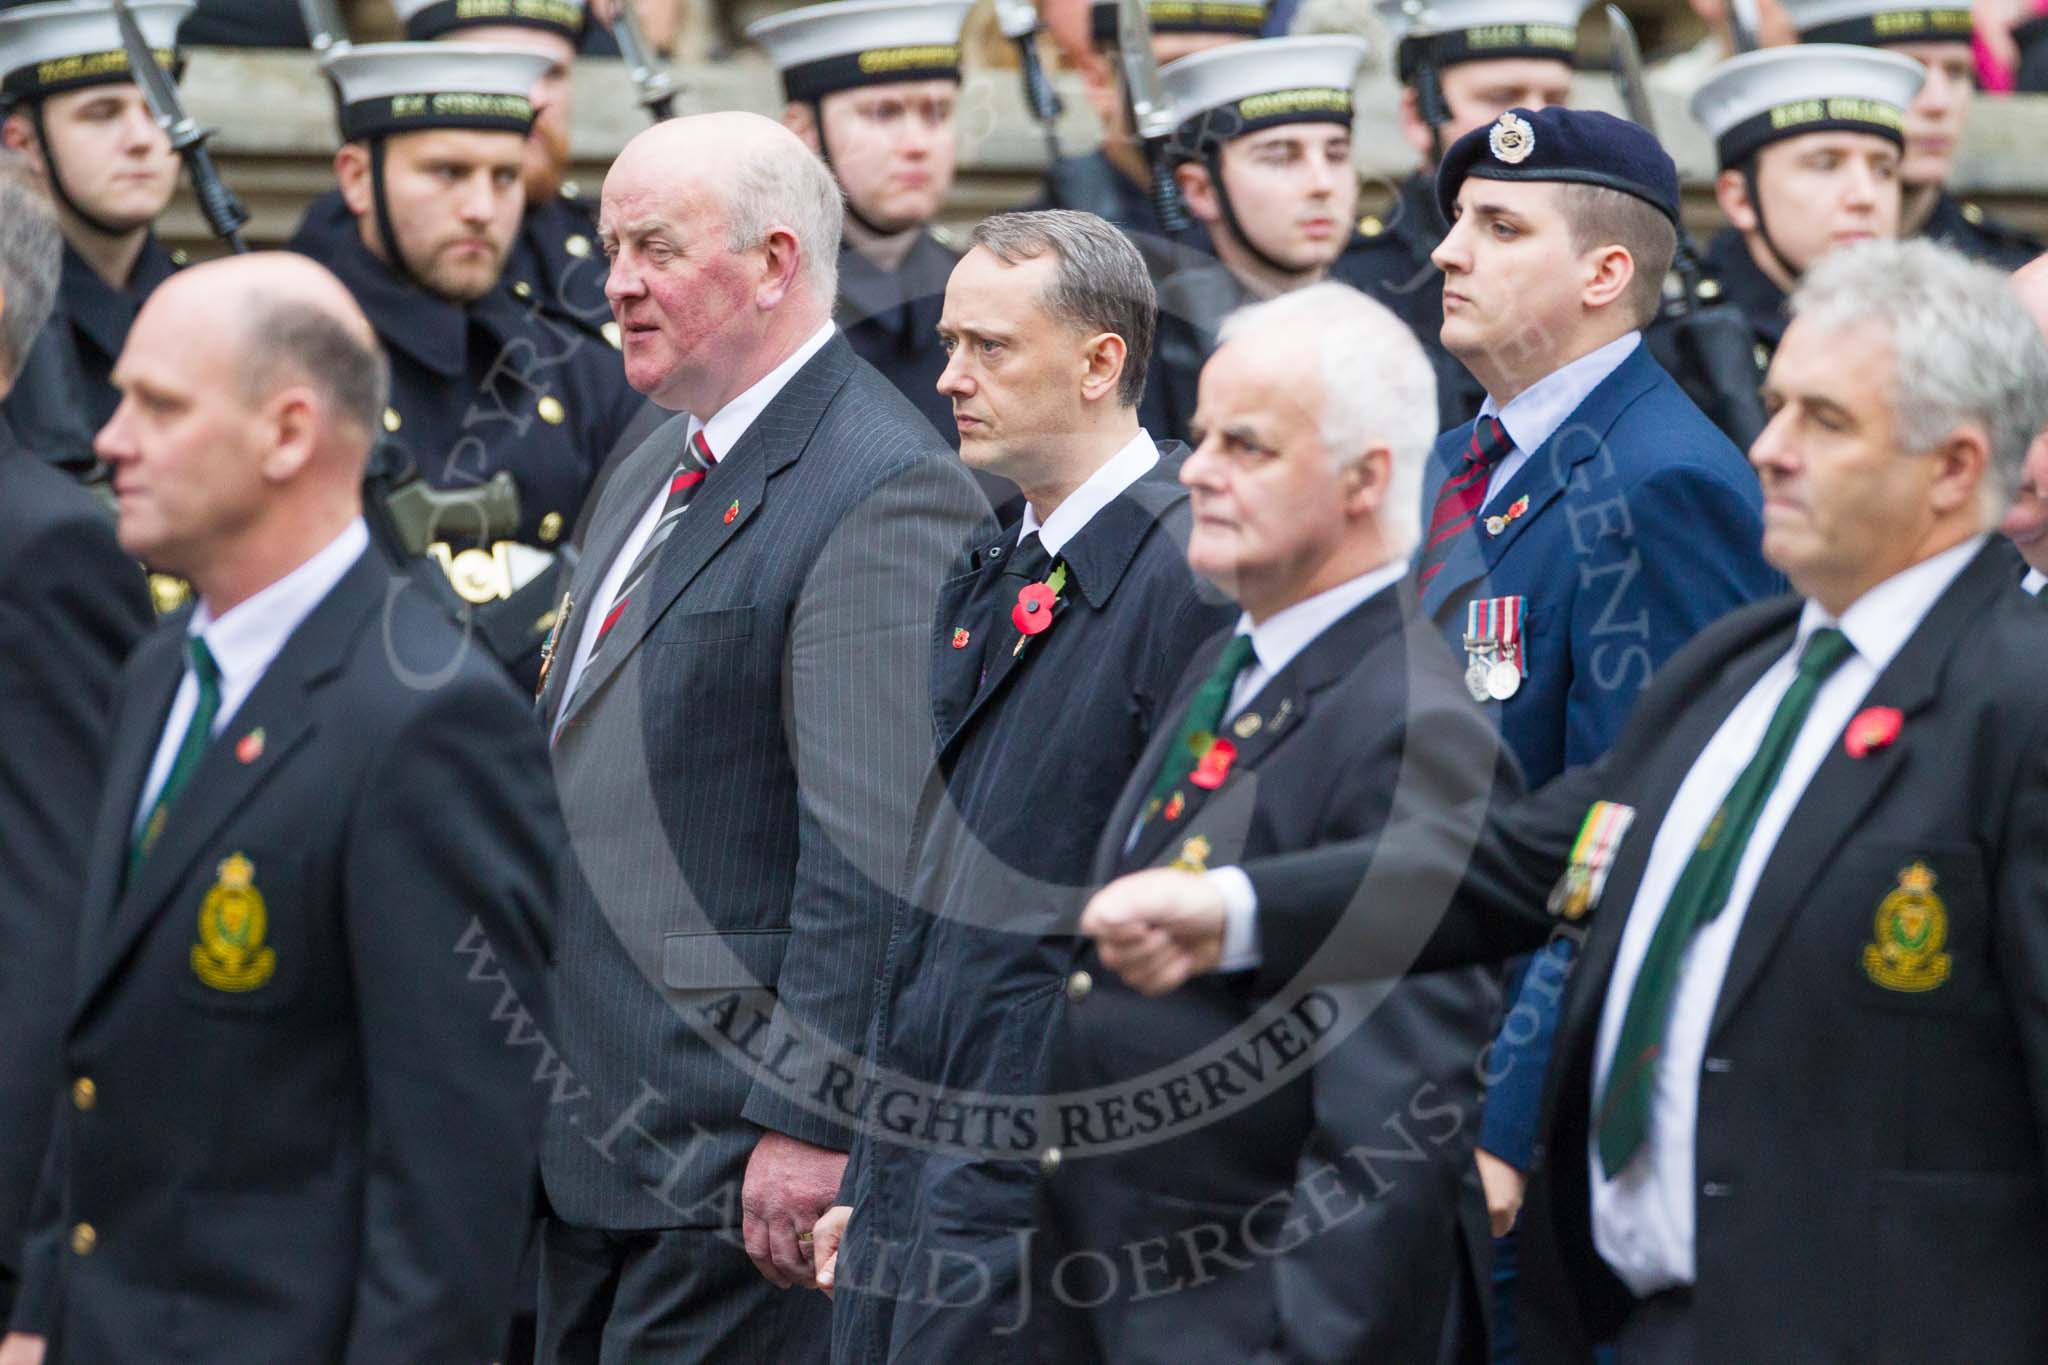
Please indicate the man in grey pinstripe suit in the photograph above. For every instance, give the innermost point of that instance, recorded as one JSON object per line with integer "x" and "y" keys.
{"x": 737, "y": 699}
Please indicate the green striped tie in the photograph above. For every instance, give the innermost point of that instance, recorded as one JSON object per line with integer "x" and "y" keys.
{"x": 190, "y": 749}
{"x": 1622, "y": 1122}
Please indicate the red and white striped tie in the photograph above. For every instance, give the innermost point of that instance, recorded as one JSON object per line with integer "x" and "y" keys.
{"x": 682, "y": 486}
{"x": 1459, "y": 501}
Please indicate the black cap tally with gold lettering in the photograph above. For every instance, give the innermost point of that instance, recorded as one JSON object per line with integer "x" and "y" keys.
{"x": 47, "y": 49}
{"x": 1227, "y": 92}
{"x": 425, "y": 19}
{"x": 1750, "y": 101}
{"x": 1231, "y": 18}
{"x": 1441, "y": 33}
{"x": 821, "y": 49}
{"x": 389, "y": 88}
{"x": 1878, "y": 23}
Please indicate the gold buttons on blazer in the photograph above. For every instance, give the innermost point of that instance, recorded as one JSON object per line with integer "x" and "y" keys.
{"x": 521, "y": 289}
{"x": 550, "y": 410}
{"x": 1078, "y": 986}
{"x": 1049, "y": 1162}
{"x": 577, "y": 245}
{"x": 84, "y": 1094}
{"x": 391, "y": 419}
{"x": 83, "y": 1239}
{"x": 551, "y": 528}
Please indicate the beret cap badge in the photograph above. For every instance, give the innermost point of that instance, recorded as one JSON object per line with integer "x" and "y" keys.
{"x": 1512, "y": 139}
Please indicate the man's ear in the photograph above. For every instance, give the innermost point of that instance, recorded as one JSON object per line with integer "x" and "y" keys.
{"x": 352, "y": 175}
{"x": 1609, "y": 273}
{"x": 1198, "y": 191}
{"x": 1103, "y": 357}
{"x": 1413, "y": 130}
{"x": 1731, "y": 192}
{"x": 801, "y": 118}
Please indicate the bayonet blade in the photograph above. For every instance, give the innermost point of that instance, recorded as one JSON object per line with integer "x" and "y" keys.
{"x": 1151, "y": 117}
{"x": 650, "y": 77}
{"x": 1017, "y": 18}
{"x": 1745, "y": 20}
{"x": 324, "y": 28}
{"x": 1627, "y": 57}
{"x": 155, "y": 82}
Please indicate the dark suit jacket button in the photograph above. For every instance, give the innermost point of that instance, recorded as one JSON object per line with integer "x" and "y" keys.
{"x": 83, "y": 1239}
{"x": 1717, "y": 1189}
{"x": 1078, "y": 986}
{"x": 1720, "y": 1066}
{"x": 84, "y": 1094}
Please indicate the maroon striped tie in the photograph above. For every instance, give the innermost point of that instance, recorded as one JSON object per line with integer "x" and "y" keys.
{"x": 682, "y": 486}
{"x": 1458, "y": 502}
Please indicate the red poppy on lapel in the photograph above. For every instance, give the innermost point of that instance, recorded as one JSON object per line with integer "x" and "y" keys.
{"x": 1874, "y": 728}
{"x": 1033, "y": 612}
{"x": 250, "y": 747}
{"x": 1214, "y": 765}
{"x": 731, "y": 512}
{"x": 960, "y": 637}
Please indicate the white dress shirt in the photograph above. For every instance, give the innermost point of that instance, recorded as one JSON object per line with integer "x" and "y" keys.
{"x": 1096, "y": 492}
{"x": 2034, "y": 582}
{"x": 721, "y": 432}
{"x": 1534, "y": 415}
{"x": 244, "y": 641}
{"x": 1275, "y": 643}
{"x": 1643, "y": 1219}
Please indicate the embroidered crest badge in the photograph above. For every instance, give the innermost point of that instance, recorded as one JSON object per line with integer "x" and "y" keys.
{"x": 230, "y": 955}
{"x": 1905, "y": 953}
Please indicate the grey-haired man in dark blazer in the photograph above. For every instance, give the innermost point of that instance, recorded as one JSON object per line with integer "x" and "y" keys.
{"x": 736, "y": 699}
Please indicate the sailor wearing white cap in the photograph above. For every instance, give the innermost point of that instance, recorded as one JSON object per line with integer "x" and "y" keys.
{"x": 73, "y": 111}
{"x": 872, "y": 86}
{"x": 1938, "y": 36}
{"x": 1263, "y": 153}
{"x": 1462, "y": 64}
{"x": 434, "y": 137}
{"x": 1808, "y": 139}
{"x": 556, "y": 250}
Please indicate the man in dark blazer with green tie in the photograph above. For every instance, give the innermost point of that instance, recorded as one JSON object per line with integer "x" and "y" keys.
{"x": 298, "y": 1116}
{"x": 1290, "y": 729}
{"x": 1801, "y": 1077}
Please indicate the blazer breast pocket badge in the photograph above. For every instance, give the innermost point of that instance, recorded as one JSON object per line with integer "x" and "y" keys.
{"x": 1496, "y": 654}
{"x": 1905, "y": 952}
{"x": 1592, "y": 857}
{"x": 233, "y": 922}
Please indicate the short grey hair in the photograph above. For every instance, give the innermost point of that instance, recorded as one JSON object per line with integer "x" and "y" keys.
{"x": 291, "y": 341}
{"x": 1378, "y": 386}
{"x": 785, "y": 185}
{"x": 1964, "y": 349}
{"x": 31, "y": 261}
{"x": 1101, "y": 284}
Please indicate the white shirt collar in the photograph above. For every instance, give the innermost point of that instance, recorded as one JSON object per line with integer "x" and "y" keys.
{"x": 730, "y": 422}
{"x": 1880, "y": 622}
{"x": 1098, "y": 491}
{"x": 2034, "y": 581}
{"x": 244, "y": 639}
{"x": 1283, "y": 635}
{"x": 1534, "y": 415}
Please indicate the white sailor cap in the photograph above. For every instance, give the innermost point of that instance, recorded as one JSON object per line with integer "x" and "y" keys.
{"x": 1231, "y": 18}
{"x": 1761, "y": 97}
{"x": 1877, "y": 23}
{"x": 1227, "y": 92}
{"x": 820, "y": 49}
{"x": 424, "y": 19}
{"x": 1442, "y": 33}
{"x": 404, "y": 87}
{"x": 45, "y": 49}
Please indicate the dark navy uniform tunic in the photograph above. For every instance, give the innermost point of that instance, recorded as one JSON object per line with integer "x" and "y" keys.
{"x": 65, "y": 392}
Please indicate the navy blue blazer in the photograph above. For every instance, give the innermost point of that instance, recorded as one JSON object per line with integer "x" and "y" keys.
{"x": 1644, "y": 524}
